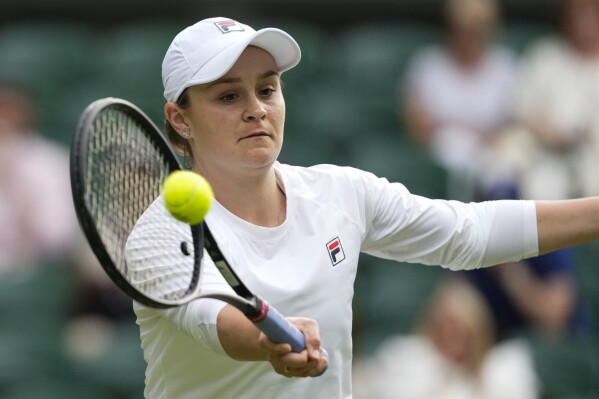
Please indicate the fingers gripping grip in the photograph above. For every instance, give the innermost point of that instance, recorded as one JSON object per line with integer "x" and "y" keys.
{"x": 278, "y": 329}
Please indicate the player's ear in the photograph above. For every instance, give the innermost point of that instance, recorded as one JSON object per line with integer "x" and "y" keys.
{"x": 174, "y": 115}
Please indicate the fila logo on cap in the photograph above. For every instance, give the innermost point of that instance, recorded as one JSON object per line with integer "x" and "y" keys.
{"x": 335, "y": 251}
{"x": 229, "y": 26}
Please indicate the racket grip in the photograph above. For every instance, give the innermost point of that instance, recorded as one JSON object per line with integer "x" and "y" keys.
{"x": 278, "y": 329}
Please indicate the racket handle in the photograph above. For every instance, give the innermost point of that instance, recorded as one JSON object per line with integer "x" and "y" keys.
{"x": 278, "y": 329}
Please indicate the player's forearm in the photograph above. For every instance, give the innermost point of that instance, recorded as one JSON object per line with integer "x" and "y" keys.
{"x": 239, "y": 336}
{"x": 241, "y": 340}
{"x": 566, "y": 223}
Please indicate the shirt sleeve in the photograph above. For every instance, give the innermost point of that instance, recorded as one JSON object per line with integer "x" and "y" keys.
{"x": 198, "y": 318}
{"x": 455, "y": 235}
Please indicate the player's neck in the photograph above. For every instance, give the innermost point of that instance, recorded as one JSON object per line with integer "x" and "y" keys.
{"x": 255, "y": 198}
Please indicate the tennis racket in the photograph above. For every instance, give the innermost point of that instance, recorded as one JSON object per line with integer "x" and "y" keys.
{"x": 119, "y": 160}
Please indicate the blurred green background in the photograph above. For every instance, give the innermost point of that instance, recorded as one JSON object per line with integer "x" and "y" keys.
{"x": 341, "y": 108}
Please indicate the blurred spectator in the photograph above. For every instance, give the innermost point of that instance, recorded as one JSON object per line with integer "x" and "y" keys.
{"x": 459, "y": 97}
{"x": 37, "y": 216}
{"x": 36, "y": 211}
{"x": 555, "y": 153}
{"x": 454, "y": 355}
{"x": 538, "y": 294}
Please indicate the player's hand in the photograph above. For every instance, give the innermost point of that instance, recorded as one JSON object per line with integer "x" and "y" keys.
{"x": 307, "y": 363}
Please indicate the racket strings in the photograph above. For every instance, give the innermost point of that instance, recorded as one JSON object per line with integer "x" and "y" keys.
{"x": 125, "y": 171}
{"x": 157, "y": 266}
{"x": 124, "y": 168}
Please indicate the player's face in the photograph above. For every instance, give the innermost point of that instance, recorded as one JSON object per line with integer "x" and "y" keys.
{"x": 237, "y": 121}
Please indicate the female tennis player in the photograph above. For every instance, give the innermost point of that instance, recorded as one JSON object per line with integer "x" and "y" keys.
{"x": 294, "y": 234}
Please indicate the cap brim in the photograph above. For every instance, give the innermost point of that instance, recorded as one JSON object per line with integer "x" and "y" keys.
{"x": 283, "y": 48}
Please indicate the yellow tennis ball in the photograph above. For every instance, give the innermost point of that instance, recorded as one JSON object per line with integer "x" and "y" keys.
{"x": 187, "y": 196}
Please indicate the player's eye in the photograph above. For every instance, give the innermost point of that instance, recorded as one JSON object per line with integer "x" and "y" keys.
{"x": 229, "y": 97}
{"x": 267, "y": 91}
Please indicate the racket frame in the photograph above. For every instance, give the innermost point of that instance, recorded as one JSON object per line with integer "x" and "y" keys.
{"x": 251, "y": 305}
{"x": 78, "y": 167}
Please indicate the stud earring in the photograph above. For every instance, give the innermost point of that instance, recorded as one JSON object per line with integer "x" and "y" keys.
{"x": 186, "y": 133}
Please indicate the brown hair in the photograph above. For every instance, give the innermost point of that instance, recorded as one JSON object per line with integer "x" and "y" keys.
{"x": 468, "y": 307}
{"x": 178, "y": 143}
{"x": 469, "y": 11}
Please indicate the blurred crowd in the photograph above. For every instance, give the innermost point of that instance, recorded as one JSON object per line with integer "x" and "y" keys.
{"x": 499, "y": 124}
{"x": 505, "y": 126}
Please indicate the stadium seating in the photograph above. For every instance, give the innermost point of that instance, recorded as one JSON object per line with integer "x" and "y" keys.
{"x": 400, "y": 160}
{"x": 372, "y": 59}
{"x": 130, "y": 61}
{"x": 120, "y": 370}
{"x": 520, "y": 35}
{"x": 389, "y": 296}
{"x": 374, "y": 55}
{"x": 33, "y": 309}
{"x": 314, "y": 43}
{"x": 46, "y": 54}
{"x": 47, "y": 58}
{"x": 53, "y": 388}
{"x": 587, "y": 261}
{"x": 567, "y": 368}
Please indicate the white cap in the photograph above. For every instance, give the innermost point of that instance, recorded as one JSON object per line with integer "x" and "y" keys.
{"x": 206, "y": 51}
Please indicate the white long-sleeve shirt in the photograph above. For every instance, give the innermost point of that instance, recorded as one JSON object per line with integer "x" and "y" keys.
{"x": 306, "y": 267}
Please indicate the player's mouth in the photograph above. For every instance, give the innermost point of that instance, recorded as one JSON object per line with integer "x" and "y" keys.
{"x": 256, "y": 134}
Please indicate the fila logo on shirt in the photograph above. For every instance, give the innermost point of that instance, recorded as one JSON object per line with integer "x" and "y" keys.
{"x": 229, "y": 26}
{"x": 335, "y": 251}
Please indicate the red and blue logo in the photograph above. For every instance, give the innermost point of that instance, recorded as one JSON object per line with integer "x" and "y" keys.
{"x": 335, "y": 251}
{"x": 229, "y": 26}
